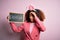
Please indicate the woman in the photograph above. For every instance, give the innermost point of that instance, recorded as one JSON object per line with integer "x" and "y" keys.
{"x": 32, "y": 26}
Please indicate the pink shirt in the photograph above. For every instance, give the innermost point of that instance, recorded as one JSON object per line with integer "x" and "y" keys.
{"x": 31, "y": 27}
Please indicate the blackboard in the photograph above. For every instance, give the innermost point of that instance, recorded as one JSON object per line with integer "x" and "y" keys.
{"x": 16, "y": 17}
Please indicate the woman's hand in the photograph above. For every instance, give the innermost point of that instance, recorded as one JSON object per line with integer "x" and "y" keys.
{"x": 33, "y": 13}
{"x": 7, "y": 17}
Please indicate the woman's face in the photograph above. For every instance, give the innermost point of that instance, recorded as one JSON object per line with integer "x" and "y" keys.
{"x": 31, "y": 17}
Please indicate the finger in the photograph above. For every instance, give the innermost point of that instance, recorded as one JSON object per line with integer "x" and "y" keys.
{"x": 7, "y": 17}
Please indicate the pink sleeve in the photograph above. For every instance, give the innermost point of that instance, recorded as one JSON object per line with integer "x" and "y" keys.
{"x": 40, "y": 24}
{"x": 15, "y": 28}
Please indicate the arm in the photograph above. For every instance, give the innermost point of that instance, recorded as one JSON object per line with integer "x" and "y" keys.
{"x": 15, "y": 28}
{"x": 39, "y": 24}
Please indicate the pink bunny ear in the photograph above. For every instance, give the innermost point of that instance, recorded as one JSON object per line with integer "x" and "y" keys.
{"x": 31, "y": 7}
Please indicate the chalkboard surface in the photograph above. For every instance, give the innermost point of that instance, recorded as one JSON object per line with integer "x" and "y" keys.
{"x": 16, "y": 17}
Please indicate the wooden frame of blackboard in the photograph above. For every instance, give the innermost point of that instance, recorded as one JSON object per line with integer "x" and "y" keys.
{"x": 16, "y": 21}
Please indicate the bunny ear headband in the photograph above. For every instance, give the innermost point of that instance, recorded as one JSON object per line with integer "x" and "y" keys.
{"x": 31, "y": 8}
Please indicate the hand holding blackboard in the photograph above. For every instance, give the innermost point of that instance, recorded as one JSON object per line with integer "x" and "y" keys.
{"x": 7, "y": 17}
{"x": 16, "y": 17}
